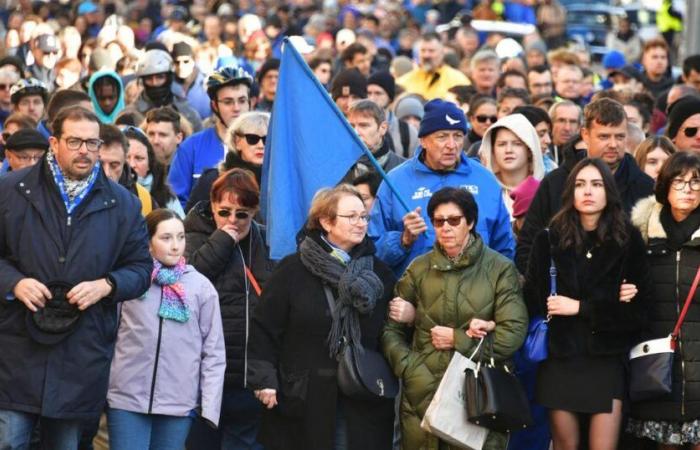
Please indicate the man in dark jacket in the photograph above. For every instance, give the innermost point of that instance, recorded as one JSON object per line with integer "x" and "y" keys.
{"x": 604, "y": 132}
{"x": 72, "y": 245}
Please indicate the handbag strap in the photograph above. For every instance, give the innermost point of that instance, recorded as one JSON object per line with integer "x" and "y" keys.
{"x": 686, "y": 306}
{"x": 253, "y": 281}
{"x": 552, "y": 269}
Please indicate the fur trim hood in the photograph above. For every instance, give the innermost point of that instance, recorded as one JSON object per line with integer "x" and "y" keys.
{"x": 646, "y": 217}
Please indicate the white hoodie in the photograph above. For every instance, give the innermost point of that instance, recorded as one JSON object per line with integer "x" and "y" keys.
{"x": 523, "y": 129}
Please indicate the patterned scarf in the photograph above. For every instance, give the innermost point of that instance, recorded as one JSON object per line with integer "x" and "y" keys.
{"x": 72, "y": 191}
{"x": 172, "y": 304}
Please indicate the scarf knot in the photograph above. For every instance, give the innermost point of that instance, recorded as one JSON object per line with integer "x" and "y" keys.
{"x": 172, "y": 303}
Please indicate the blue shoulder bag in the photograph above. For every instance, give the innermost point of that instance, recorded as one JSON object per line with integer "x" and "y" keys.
{"x": 535, "y": 347}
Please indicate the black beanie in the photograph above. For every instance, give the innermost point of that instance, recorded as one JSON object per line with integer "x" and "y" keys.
{"x": 385, "y": 81}
{"x": 26, "y": 138}
{"x": 680, "y": 111}
{"x": 349, "y": 81}
{"x": 182, "y": 49}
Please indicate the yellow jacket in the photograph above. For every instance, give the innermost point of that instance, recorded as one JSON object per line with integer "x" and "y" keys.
{"x": 432, "y": 84}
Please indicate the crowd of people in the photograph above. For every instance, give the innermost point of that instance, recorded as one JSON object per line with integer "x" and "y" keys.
{"x": 137, "y": 279}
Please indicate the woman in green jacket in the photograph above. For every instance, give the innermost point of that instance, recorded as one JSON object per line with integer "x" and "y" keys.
{"x": 461, "y": 291}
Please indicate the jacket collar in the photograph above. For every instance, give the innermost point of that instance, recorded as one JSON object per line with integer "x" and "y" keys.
{"x": 418, "y": 164}
{"x": 646, "y": 216}
{"x": 440, "y": 261}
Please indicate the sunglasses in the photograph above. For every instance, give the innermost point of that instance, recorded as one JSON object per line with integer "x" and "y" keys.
{"x": 226, "y": 213}
{"x": 4, "y": 87}
{"x": 439, "y": 222}
{"x": 690, "y": 132}
{"x": 253, "y": 139}
{"x": 483, "y": 118}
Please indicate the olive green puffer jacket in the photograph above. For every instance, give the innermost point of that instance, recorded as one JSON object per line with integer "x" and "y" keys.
{"x": 481, "y": 284}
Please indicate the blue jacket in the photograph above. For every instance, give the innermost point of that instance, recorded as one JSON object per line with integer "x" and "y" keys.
{"x": 197, "y": 153}
{"x": 106, "y": 237}
{"x": 416, "y": 183}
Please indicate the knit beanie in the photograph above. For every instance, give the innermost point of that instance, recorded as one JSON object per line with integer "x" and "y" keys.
{"x": 385, "y": 81}
{"x": 349, "y": 82}
{"x": 181, "y": 49}
{"x": 25, "y": 139}
{"x": 409, "y": 106}
{"x": 680, "y": 111}
{"x": 613, "y": 60}
{"x": 442, "y": 115}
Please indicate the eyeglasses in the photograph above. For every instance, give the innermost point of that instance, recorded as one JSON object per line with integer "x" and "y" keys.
{"x": 4, "y": 87}
{"x": 690, "y": 132}
{"x": 439, "y": 222}
{"x": 354, "y": 219}
{"x": 27, "y": 158}
{"x": 680, "y": 185}
{"x": 253, "y": 139}
{"x": 74, "y": 143}
{"x": 5, "y": 135}
{"x": 483, "y": 118}
{"x": 226, "y": 213}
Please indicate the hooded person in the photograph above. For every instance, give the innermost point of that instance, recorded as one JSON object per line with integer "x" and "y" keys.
{"x": 106, "y": 93}
{"x": 511, "y": 150}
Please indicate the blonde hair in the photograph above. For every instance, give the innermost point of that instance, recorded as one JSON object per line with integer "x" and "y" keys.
{"x": 649, "y": 145}
{"x": 249, "y": 122}
{"x": 325, "y": 204}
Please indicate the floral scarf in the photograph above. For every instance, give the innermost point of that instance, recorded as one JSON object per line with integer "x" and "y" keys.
{"x": 172, "y": 304}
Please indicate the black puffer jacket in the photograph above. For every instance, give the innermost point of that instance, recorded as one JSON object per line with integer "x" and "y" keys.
{"x": 217, "y": 256}
{"x": 672, "y": 275}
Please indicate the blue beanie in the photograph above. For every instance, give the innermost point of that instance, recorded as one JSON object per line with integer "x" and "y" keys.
{"x": 613, "y": 60}
{"x": 442, "y": 115}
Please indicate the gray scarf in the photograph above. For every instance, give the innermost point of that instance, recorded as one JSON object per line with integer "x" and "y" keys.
{"x": 357, "y": 285}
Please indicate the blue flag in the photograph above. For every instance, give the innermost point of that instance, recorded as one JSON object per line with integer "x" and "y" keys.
{"x": 309, "y": 146}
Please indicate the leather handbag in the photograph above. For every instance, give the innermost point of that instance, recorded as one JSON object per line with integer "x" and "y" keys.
{"x": 651, "y": 362}
{"x": 495, "y": 398}
{"x": 362, "y": 373}
{"x": 535, "y": 347}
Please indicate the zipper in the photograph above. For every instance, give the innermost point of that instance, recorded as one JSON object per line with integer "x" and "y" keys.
{"x": 155, "y": 366}
{"x": 680, "y": 331}
{"x": 68, "y": 222}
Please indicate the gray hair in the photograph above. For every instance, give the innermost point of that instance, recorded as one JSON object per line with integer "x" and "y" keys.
{"x": 485, "y": 55}
{"x": 250, "y": 122}
{"x": 559, "y": 104}
{"x": 369, "y": 108}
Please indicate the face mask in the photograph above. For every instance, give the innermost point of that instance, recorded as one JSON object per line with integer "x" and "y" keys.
{"x": 49, "y": 60}
{"x": 183, "y": 71}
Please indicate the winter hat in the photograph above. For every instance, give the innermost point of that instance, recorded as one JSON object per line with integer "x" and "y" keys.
{"x": 409, "y": 106}
{"x": 537, "y": 46}
{"x": 182, "y": 49}
{"x": 270, "y": 64}
{"x": 522, "y": 196}
{"x": 385, "y": 81}
{"x": 442, "y": 115}
{"x": 401, "y": 65}
{"x": 680, "y": 111}
{"x": 26, "y": 138}
{"x": 347, "y": 82}
{"x": 613, "y": 60}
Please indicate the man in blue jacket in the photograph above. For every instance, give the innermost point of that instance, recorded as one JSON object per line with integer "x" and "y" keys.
{"x": 400, "y": 236}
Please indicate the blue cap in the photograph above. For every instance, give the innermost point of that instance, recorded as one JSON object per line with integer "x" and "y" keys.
{"x": 87, "y": 8}
{"x": 441, "y": 115}
{"x": 613, "y": 60}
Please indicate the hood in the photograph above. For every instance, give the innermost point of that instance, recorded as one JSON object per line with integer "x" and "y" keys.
{"x": 521, "y": 127}
{"x": 106, "y": 118}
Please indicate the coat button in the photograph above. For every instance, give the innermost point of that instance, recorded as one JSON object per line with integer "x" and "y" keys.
{"x": 21, "y": 184}
{"x": 114, "y": 201}
{"x": 105, "y": 203}
{"x": 61, "y": 259}
{"x": 28, "y": 191}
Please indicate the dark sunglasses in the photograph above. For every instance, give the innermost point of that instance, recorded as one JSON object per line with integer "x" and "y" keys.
{"x": 4, "y": 87}
{"x": 690, "y": 132}
{"x": 439, "y": 222}
{"x": 226, "y": 213}
{"x": 482, "y": 118}
{"x": 253, "y": 139}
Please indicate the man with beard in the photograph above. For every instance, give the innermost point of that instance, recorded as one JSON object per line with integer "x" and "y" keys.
{"x": 432, "y": 78}
{"x": 190, "y": 79}
{"x": 45, "y": 51}
{"x": 155, "y": 71}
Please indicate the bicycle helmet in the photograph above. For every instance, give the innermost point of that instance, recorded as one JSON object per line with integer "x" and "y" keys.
{"x": 26, "y": 87}
{"x": 227, "y": 76}
{"x": 153, "y": 62}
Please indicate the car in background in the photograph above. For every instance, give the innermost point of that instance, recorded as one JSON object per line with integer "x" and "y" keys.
{"x": 590, "y": 23}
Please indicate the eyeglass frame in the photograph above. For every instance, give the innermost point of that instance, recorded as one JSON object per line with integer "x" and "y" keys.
{"x": 680, "y": 184}
{"x": 693, "y": 130}
{"x": 252, "y": 136}
{"x": 453, "y": 221}
{"x": 482, "y": 118}
{"x": 354, "y": 219}
{"x": 95, "y": 141}
{"x": 26, "y": 158}
{"x": 239, "y": 214}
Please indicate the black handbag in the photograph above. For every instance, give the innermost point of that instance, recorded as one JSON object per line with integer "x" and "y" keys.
{"x": 362, "y": 373}
{"x": 651, "y": 362}
{"x": 495, "y": 398}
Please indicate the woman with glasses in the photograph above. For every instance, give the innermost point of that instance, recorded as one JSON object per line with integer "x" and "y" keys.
{"x": 245, "y": 148}
{"x": 294, "y": 337}
{"x": 461, "y": 291}
{"x": 670, "y": 225}
{"x": 482, "y": 114}
{"x": 227, "y": 246}
{"x": 597, "y": 304}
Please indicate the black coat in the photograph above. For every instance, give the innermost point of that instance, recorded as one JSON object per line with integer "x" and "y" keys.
{"x": 289, "y": 353}
{"x": 106, "y": 237}
{"x": 218, "y": 257}
{"x": 604, "y": 325}
{"x": 672, "y": 274}
{"x": 632, "y": 184}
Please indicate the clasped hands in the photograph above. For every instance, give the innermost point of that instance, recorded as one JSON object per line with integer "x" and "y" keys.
{"x": 34, "y": 294}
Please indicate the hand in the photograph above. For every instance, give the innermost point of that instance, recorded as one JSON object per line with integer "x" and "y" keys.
{"x": 480, "y": 328}
{"x": 267, "y": 397}
{"x": 402, "y": 311}
{"x": 627, "y": 291}
{"x": 230, "y": 230}
{"x": 413, "y": 226}
{"x": 32, "y": 293}
{"x": 85, "y": 294}
{"x": 443, "y": 337}
{"x": 559, "y": 305}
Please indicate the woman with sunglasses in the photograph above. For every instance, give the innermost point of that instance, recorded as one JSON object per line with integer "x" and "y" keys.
{"x": 598, "y": 305}
{"x": 670, "y": 225}
{"x": 227, "y": 246}
{"x": 295, "y": 336}
{"x": 482, "y": 114}
{"x": 245, "y": 148}
{"x": 461, "y": 291}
